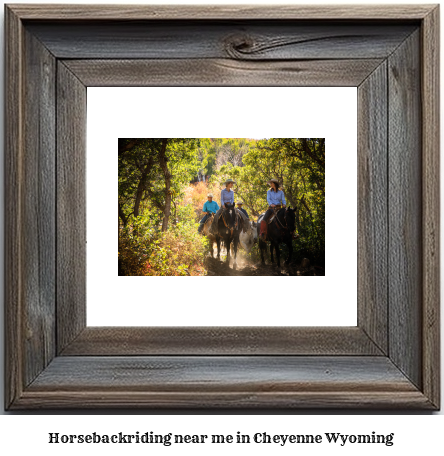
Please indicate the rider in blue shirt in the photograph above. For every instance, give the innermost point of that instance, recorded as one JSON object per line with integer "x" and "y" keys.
{"x": 226, "y": 197}
{"x": 275, "y": 199}
{"x": 210, "y": 207}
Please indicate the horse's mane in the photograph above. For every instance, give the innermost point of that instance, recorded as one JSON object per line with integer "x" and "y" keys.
{"x": 244, "y": 222}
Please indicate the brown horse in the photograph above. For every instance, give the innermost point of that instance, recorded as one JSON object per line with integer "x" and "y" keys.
{"x": 229, "y": 226}
{"x": 206, "y": 232}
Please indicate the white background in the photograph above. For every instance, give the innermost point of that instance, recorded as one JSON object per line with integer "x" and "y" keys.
{"x": 273, "y": 112}
{"x": 415, "y": 433}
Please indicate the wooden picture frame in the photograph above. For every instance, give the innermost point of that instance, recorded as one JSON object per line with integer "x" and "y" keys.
{"x": 390, "y": 360}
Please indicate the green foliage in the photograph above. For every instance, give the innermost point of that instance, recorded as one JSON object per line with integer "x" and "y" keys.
{"x": 143, "y": 179}
{"x": 144, "y": 250}
{"x": 216, "y": 152}
{"x": 136, "y": 243}
{"x": 159, "y": 208}
{"x": 180, "y": 250}
{"x": 299, "y": 164}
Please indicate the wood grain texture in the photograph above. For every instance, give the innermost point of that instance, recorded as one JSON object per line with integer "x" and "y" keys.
{"x": 245, "y": 40}
{"x": 30, "y": 206}
{"x": 234, "y": 382}
{"x": 13, "y": 209}
{"x": 210, "y": 373}
{"x": 224, "y": 12}
{"x": 127, "y": 341}
{"x": 407, "y": 378}
{"x": 221, "y": 72}
{"x": 38, "y": 221}
{"x": 372, "y": 207}
{"x": 431, "y": 205}
{"x": 225, "y": 400}
{"x": 71, "y": 206}
{"x": 405, "y": 209}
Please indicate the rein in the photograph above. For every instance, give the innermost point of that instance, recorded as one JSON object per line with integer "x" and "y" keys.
{"x": 225, "y": 223}
{"x": 278, "y": 222}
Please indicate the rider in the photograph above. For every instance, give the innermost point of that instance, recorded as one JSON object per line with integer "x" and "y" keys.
{"x": 239, "y": 206}
{"x": 209, "y": 207}
{"x": 274, "y": 198}
{"x": 226, "y": 197}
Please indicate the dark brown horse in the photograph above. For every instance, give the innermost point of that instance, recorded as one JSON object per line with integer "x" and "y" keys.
{"x": 280, "y": 230}
{"x": 229, "y": 226}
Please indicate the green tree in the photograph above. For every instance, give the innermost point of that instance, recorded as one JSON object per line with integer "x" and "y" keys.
{"x": 299, "y": 165}
{"x": 154, "y": 171}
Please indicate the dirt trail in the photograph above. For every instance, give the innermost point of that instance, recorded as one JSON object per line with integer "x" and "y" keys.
{"x": 245, "y": 267}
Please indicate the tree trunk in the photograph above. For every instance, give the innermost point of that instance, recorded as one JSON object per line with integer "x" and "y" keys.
{"x": 141, "y": 186}
{"x": 164, "y": 165}
{"x": 122, "y": 216}
{"x": 139, "y": 194}
{"x": 175, "y": 213}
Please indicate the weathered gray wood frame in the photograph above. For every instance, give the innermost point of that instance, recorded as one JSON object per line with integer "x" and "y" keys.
{"x": 390, "y": 360}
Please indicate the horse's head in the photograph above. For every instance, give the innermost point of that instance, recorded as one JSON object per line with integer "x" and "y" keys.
{"x": 230, "y": 216}
{"x": 290, "y": 218}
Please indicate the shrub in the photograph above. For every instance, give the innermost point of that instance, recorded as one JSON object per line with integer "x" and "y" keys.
{"x": 178, "y": 252}
{"x": 195, "y": 197}
{"x": 134, "y": 251}
{"x": 146, "y": 251}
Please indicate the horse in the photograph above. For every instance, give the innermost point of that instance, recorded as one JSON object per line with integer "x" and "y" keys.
{"x": 229, "y": 226}
{"x": 247, "y": 238}
{"x": 279, "y": 231}
{"x": 206, "y": 232}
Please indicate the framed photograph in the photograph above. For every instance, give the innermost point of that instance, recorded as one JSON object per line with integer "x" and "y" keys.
{"x": 390, "y": 359}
